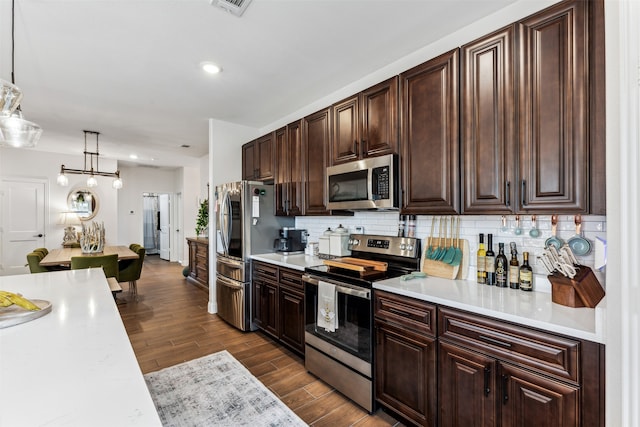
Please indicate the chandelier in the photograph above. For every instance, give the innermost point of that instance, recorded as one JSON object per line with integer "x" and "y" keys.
{"x": 15, "y": 131}
{"x": 89, "y": 157}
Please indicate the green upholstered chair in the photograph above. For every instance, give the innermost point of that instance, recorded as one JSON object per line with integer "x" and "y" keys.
{"x": 44, "y": 251}
{"x": 129, "y": 270}
{"x": 33, "y": 261}
{"x": 109, "y": 264}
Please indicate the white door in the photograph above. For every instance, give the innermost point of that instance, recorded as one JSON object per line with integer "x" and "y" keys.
{"x": 165, "y": 226}
{"x": 22, "y": 211}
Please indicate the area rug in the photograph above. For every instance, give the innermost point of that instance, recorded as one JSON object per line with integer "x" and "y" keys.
{"x": 215, "y": 390}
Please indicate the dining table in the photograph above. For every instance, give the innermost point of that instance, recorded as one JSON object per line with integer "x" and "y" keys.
{"x": 63, "y": 256}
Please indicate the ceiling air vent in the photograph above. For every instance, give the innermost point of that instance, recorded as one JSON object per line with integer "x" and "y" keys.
{"x": 235, "y": 7}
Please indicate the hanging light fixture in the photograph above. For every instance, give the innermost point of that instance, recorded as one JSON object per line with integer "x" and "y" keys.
{"x": 63, "y": 180}
{"x": 15, "y": 131}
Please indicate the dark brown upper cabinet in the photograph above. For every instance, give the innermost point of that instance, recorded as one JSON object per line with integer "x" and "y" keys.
{"x": 258, "y": 159}
{"x": 316, "y": 143}
{"x": 430, "y": 144}
{"x": 366, "y": 124}
{"x": 487, "y": 123}
{"x": 553, "y": 112}
{"x": 289, "y": 179}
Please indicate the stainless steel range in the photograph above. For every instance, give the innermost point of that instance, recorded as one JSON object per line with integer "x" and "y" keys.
{"x": 339, "y": 311}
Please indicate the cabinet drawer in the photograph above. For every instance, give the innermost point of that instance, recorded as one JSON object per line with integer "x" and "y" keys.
{"x": 202, "y": 250}
{"x": 291, "y": 278}
{"x": 268, "y": 271}
{"x": 414, "y": 314}
{"x": 537, "y": 350}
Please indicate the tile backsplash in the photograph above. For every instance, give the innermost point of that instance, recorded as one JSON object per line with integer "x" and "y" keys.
{"x": 386, "y": 224}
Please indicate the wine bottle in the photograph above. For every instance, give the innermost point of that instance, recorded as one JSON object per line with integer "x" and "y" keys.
{"x": 482, "y": 274}
{"x": 526, "y": 274}
{"x": 501, "y": 267}
{"x": 514, "y": 268}
{"x": 490, "y": 262}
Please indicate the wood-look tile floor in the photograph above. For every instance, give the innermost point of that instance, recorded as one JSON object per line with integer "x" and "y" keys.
{"x": 169, "y": 324}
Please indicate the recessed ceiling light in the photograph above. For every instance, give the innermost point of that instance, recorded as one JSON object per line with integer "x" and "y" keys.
{"x": 210, "y": 67}
{"x": 133, "y": 156}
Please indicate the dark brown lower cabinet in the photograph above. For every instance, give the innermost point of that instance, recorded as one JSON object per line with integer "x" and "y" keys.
{"x": 405, "y": 357}
{"x": 278, "y": 304}
{"x": 265, "y": 299}
{"x": 488, "y": 372}
{"x": 477, "y": 390}
{"x": 406, "y": 374}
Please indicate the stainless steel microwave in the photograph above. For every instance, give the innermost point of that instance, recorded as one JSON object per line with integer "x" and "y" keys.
{"x": 370, "y": 183}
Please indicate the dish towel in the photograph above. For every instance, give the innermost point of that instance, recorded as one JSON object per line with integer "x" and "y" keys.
{"x": 327, "y": 307}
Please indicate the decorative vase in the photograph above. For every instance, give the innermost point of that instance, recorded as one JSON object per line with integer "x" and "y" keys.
{"x": 92, "y": 238}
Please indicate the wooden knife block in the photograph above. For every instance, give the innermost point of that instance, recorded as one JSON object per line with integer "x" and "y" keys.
{"x": 584, "y": 290}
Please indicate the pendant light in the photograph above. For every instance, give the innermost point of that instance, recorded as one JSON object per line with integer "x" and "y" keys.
{"x": 63, "y": 180}
{"x": 15, "y": 131}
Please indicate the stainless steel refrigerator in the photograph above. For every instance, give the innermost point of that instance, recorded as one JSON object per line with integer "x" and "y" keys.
{"x": 245, "y": 225}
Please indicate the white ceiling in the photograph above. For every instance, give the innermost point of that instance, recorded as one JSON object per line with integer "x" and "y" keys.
{"x": 130, "y": 68}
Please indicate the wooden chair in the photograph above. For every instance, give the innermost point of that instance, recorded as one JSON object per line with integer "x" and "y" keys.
{"x": 131, "y": 269}
{"x": 109, "y": 264}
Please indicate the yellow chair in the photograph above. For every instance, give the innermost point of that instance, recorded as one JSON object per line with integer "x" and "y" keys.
{"x": 109, "y": 264}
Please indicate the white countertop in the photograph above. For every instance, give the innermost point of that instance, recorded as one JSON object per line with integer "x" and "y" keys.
{"x": 74, "y": 366}
{"x": 534, "y": 309}
{"x": 296, "y": 262}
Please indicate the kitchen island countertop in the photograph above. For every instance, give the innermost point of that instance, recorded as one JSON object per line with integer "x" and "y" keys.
{"x": 75, "y": 365}
{"x": 534, "y": 309}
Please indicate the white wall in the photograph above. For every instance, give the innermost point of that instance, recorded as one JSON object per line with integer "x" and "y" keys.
{"x": 36, "y": 164}
{"x": 136, "y": 181}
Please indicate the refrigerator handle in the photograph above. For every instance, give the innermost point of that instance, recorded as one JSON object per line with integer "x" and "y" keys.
{"x": 224, "y": 219}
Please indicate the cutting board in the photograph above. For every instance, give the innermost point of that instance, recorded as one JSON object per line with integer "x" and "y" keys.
{"x": 444, "y": 270}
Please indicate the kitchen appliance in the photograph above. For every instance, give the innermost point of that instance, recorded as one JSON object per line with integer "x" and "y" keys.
{"x": 291, "y": 241}
{"x": 370, "y": 183}
{"x": 342, "y": 353}
{"x": 245, "y": 225}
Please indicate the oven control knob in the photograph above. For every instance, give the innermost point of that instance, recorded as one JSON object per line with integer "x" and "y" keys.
{"x": 403, "y": 246}
{"x": 409, "y": 247}
{"x": 354, "y": 242}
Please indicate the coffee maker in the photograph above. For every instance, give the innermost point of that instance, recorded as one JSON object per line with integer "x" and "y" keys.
{"x": 291, "y": 241}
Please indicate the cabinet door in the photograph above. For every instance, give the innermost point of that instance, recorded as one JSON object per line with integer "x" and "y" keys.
{"x": 264, "y": 161}
{"x": 295, "y": 194}
{"x": 270, "y": 309}
{"x": 468, "y": 392}
{"x": 379, "y": 133}
{"x": 430, "y": 136}
{"x": 292, "y": 318}
{"x": 257, "y": 301}
{"x": 282, "y": 171}
{"x": 533, "y": 400}
{"x": 249, "y": 170}
{"x": 554, "y": 108}
{"x": 317, "y": 139}
{"x": 489, "y": 156}
{"x": 406, "y": 373}
{"x": 346, "y": 131}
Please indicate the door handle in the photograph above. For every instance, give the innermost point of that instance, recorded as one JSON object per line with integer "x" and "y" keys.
{"x": 39, "y": 235}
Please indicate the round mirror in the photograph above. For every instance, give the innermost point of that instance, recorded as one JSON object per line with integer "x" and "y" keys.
{"x": 84, "y": 203}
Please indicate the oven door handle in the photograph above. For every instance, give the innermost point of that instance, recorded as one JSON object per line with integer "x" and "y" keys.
{"x": 340, "y": 288}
